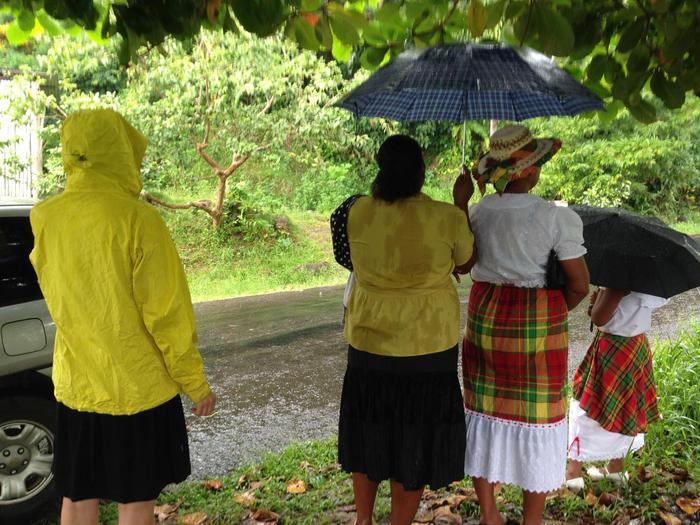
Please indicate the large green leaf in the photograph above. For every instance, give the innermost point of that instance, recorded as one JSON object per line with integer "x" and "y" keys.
{"x": 631, "y": 35}
{"x": 374, "y": 35}
{"x": 324, "y": 33}
{"x": 262, "y": 17}
{"x": 622, "y": 87}
{"x": 644, "y": 111}
{"x": 356, "y": 18}
{"x": 596, "y": 68}
{"x": 613, "y": 69}
{"x": 598, "y": 89}
{"x": 372, "y": 57}
{"x": 675, "y": 95}
{"x": 15, "y": 35}
{"x": 341, "y": 52}
{"x": 516, "y": 8}
{"x": 25, "y": 20}
{"x": 303, "y": 32}
{"x": 477, "y": 18}
{"x": 308, "y": 6}
{"x": 523, "y": 28}
{"x": 427, "y": 25}
{"x": 418, "y": 8}
{"x": 555, "y": 32}
{"x": 639, "y": 58}
{"x": 50, "y": 25}
{"x": 612, "y": 108}
{"x": 494, "y": 13}
{"x": 389, "y": 14}
{"x": 343, "y": 27}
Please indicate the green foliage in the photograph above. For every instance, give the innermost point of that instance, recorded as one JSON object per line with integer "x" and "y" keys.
{"x": 652, "y": 169}
{"x": 677, "y": 435}
{"x": 96, "y": 71}
{"x": 637, "y": 41}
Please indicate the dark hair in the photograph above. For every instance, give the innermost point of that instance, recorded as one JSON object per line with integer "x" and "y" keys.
{"x": 401, "y": 169}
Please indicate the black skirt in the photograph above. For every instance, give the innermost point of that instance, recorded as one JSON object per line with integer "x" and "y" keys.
{"x": 402, "y": 418}
{"x": 120, "y": 458}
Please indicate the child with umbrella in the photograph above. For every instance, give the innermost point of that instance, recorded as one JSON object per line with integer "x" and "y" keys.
{"x": 638, "y": 262}
{"x": 614, "y": 393}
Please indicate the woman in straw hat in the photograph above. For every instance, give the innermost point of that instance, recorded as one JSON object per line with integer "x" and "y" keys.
{"x": 516, "y": 341}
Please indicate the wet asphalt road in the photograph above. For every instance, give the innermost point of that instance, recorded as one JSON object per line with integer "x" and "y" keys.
{"x": 277, "y": 361}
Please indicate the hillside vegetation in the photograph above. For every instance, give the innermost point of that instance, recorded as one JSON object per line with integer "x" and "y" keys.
{"x": 265, "y": 109}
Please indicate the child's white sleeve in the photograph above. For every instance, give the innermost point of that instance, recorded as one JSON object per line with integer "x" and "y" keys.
{"x": 348, "y": 289}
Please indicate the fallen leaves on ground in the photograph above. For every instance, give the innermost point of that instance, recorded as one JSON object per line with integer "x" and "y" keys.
{"x": 213, "y": 484}
{"x": 608, "y": 498}
{"x": 163, "y": 512}
{"x": 193, "y": 518}
{"x": 644, "y": 474}
{"x": 259, "y": 517}
{"x": 445, "y": 516}
{"x": 296, "y": 486}
{"x": 246, "y": 499}
{"x": 689, "y": 506}
{"x": 675, "y": 474}
{"x": 669, "y": 519}
{"x": 591, "y": 499}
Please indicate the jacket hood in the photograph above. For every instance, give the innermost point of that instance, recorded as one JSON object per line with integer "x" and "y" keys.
{"x": 102, "y": 152}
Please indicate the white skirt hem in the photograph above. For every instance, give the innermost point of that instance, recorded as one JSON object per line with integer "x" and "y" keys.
{"x": 533, "y": 457}
{"x": 588, "y": 441}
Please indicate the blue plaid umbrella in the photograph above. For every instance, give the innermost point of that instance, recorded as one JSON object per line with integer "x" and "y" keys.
{"x": 461, "y": 82}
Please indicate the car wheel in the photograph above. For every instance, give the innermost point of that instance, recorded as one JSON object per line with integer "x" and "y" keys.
{"x": 27, "y": 430}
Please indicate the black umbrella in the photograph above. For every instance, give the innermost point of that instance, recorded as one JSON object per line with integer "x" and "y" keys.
{"x": 633, "y": 252}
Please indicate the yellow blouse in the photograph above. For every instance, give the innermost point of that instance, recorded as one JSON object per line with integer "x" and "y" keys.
{"x": 404, "y": 302}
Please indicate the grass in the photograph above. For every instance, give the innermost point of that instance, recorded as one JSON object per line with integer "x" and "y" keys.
{"x": 251, "y": 254}
{"x": 665, "y": 470}
{"x": 691, "y": 226}
{"x": 225, "y": 264}
{"x": 262, "y": 253}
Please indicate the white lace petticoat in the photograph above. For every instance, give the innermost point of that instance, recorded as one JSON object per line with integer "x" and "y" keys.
{"x": 588, "y": 441}
{"x": 532, "y": 457}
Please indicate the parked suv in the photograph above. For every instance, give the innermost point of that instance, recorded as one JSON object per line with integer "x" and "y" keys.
{"x": 27, "y": 405}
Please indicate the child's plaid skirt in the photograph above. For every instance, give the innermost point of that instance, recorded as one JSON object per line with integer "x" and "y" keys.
{"x": 614, "y": 384}
{"x": 515, "y": 353}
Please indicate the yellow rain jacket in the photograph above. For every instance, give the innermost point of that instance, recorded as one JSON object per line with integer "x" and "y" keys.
{"x": 113, "y": 281}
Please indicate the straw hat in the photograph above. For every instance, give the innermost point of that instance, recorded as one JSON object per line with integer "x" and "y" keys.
{"x": 513, "y": 149}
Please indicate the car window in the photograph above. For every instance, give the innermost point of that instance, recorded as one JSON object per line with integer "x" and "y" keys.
{"x": 18, "y": 282}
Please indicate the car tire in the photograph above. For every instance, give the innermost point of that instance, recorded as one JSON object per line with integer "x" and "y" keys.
{"x": 27, "y": 431}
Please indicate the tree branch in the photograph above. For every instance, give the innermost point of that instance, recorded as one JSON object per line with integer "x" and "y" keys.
{"x": 204, "y": 205}
{"x": 238, "y": 160}
{"x": 267, "y": 107}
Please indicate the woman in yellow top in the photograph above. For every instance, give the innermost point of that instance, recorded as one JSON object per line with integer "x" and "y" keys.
{"x": 401, "y": 413}
{"x": 125, "y": 331}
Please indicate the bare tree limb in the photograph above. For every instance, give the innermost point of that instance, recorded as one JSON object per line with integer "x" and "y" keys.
{"x": 207, "y": 158}
{"x": 204, "y": 205}
{"x": 268, "y": 105}
{"x": 238, "y": 160}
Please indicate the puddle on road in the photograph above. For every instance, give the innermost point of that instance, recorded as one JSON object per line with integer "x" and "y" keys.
{"x": 277, "y": 363}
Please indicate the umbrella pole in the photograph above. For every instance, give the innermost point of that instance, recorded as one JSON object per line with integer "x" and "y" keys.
{"x": 464, "y": 141}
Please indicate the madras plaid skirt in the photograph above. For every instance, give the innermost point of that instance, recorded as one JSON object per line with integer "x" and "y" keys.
{"x": 514, "y": 357}
{"x": 614, "y": 383}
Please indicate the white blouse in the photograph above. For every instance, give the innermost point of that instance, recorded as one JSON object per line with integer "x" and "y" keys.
{"x": 633, "y": 314}
{"x": 514, "y": 234}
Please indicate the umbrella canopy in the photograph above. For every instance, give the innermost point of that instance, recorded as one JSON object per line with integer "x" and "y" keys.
{"x": 642, "y": 254}
{"x": 460, "y": 82}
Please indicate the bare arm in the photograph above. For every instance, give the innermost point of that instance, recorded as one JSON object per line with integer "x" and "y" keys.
{"x": 577, "y": 281}
{"x": 605, "y": 305}
{"x": 462, "y": 191}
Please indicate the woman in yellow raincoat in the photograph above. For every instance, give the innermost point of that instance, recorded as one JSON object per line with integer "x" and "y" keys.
{"x": 125, "y": 330}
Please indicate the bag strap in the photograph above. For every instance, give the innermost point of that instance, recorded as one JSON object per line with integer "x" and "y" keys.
{"x": 339, "y": 232}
